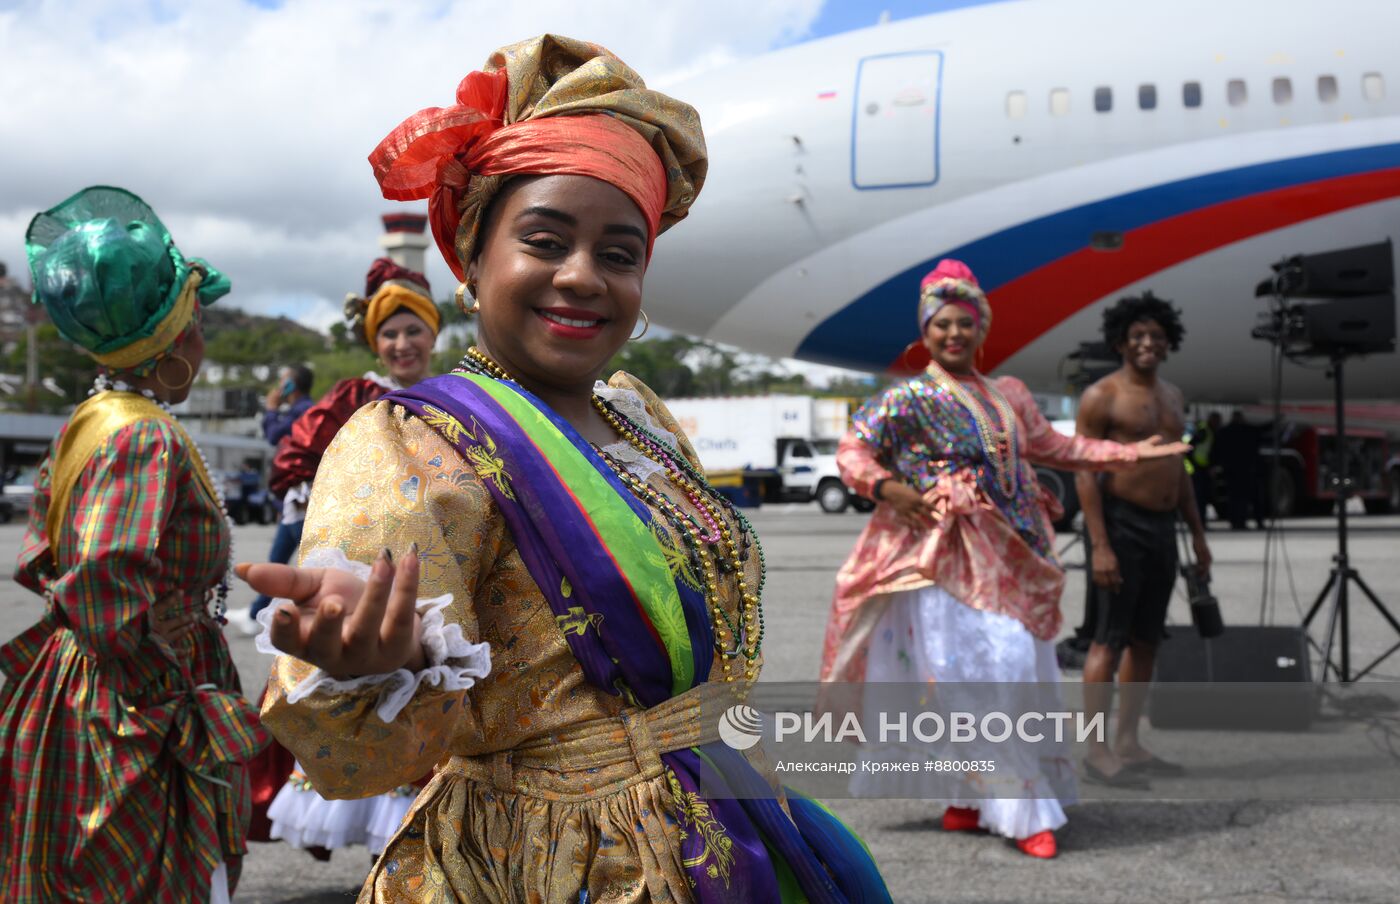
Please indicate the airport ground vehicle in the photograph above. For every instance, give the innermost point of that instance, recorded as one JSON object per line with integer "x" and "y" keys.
{"x": 772, "y": 448}
{"x": 1304, "y": 482}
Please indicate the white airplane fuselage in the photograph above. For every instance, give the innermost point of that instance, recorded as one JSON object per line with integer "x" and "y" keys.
{"x": 1236, "y": 133}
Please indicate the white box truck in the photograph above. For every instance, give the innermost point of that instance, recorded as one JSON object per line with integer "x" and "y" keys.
{"x": 781, "y": 448}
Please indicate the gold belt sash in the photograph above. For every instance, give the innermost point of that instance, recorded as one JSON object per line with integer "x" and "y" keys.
{"x": 597, "y": 757}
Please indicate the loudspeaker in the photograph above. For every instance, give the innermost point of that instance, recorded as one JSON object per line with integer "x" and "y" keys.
{"x": 1258, "y": 678}
{"x": 1362, "y": 270}
{"x": 1363, "y": 325}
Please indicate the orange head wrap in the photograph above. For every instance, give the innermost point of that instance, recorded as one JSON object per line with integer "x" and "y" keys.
{"x": 547, "y": 106}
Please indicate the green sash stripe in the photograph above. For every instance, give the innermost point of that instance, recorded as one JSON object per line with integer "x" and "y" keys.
{"x": 627, "y": 540}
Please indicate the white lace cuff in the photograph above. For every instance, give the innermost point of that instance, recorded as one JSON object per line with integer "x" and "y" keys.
{"x": 454, "y": 663}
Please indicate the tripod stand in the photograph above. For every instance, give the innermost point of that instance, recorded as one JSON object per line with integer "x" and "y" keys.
{"x": 1342, "y": 574}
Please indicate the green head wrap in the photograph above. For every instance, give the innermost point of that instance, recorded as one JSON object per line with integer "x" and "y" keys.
{"x": 108, "y": 273}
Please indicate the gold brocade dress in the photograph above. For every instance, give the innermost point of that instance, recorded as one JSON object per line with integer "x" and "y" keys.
{"x": 546, "y": 786}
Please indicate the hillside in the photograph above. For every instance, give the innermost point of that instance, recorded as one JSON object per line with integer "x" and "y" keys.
{"x": 239, "y": 339}
{"x": 220, "y": 318}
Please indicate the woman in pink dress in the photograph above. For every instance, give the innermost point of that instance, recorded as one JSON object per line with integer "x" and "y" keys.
{"x": 955, "y": 577}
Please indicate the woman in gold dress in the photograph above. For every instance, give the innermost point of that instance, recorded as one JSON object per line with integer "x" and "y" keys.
{"x": 514, "y": 573}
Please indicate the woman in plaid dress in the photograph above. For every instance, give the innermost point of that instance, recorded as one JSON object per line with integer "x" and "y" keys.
{"x": 122, "y": 727}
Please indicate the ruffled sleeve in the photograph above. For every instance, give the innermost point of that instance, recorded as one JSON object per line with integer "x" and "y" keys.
{"x": 299, "y": 453}
{"x": 1043, "y": 444}
{"x": 389, "y": 480}
{"x": 864, "y": 451}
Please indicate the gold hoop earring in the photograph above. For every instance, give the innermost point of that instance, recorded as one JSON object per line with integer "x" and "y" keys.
{"x": 646, "y": 325}
{"x": 463, "y": 290}
{"x": 189, "y": 373}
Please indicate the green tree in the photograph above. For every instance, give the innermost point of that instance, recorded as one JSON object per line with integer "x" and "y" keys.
{"x": 264, "y": 342}
{"x": 341, "y": 337}
{"x": 715, "y": 369}
{"x": 857, "y": 388}
{"x": 60, "y": 361}
{"x": 330, "y": 367}
{"x": 660, "y": 363}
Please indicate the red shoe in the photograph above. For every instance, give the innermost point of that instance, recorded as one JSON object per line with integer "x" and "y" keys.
{"x": 961, "y": 819}
{"x": 1041, "y": 844}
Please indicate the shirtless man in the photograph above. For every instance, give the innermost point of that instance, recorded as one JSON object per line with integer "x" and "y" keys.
{"x": 1131, "y": 521}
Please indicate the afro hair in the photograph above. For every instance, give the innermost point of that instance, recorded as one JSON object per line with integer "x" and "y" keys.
{"x": 1134, "y": 308}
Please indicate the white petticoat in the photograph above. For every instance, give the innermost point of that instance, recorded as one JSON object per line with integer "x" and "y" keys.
{"x": 218, "y": 885}
{"x": 303, "y": 818}
{"x": 927, "y": 635}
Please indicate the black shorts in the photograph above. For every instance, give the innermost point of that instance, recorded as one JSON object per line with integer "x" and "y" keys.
{"x": 1144, "y": 543}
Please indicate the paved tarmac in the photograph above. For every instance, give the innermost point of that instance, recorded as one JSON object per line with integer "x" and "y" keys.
{"x": 1246, "y": 851}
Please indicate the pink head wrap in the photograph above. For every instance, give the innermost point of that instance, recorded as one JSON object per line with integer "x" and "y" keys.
{"x": 952, "y": 282}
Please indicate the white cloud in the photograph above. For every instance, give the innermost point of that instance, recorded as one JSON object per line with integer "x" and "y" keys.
{"x": 247, "y": 129}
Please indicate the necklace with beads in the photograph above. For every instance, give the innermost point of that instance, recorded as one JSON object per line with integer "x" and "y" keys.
{"x": 712, "y": 546}
{"x": 998, "y": 441}
{"x": 219, "y": 594}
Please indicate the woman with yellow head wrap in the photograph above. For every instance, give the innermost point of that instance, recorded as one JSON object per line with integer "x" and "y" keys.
{"x": 399, "y": 321}
{"x": 591, "y": 592}
{"x": 123, "y": 732}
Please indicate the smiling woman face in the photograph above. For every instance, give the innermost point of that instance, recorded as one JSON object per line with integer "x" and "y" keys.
{"x": 559, "y": 278}
{"x": 404, "y": 344}
{"x": 952, "y": 338}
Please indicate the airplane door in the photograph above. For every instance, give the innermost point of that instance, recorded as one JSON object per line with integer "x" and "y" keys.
{"x": 894, "y": 140}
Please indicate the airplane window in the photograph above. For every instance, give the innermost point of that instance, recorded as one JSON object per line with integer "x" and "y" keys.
{"x": 1015, "y": 104}
{"x": 1283, "y": 91}
{"x": 1147, "y": 97}
{"x": 1103, "y": 99}
{"x": 1236, "y": 92}
{"x": 1373, "y": 86}
{"x": 1327, "y": 88}
{"x": 1191, "y": 94}
{"x": 1059, "y": 101}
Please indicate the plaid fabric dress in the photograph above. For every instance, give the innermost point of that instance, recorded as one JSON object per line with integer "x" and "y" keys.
{"x": 121, "y": 774}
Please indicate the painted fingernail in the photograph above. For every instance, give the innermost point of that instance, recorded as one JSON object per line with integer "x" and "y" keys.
{"x": 413, "y": 549}
{"x": 387, "y": 555}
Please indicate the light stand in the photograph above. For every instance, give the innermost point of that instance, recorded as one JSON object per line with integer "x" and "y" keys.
{"x": 1343, "y": 574}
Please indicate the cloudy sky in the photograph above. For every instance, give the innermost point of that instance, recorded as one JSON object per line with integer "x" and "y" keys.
{"x": 246, "y": 123}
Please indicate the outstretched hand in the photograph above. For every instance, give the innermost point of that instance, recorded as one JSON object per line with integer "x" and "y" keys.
{"x": 1156, "y": 447}
{"x": 341, "y": 624}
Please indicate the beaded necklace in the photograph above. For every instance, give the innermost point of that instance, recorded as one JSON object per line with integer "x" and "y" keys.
{"x": 998, "y": 442}
{"x": 219, "y": 593}
{"x": 711, "y": 545}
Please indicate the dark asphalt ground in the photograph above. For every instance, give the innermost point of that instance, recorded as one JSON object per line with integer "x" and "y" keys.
{"x": 1243, "y": 851}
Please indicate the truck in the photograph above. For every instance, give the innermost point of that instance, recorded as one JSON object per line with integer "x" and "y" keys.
{"x": 771, "y": 448}
{"x": 1304, "y": 482}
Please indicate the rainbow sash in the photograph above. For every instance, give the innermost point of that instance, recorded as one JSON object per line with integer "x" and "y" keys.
{"x": 622, "y": 593}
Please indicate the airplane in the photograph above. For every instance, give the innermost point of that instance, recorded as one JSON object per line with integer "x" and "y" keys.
{"x": 1071, "y": 152}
